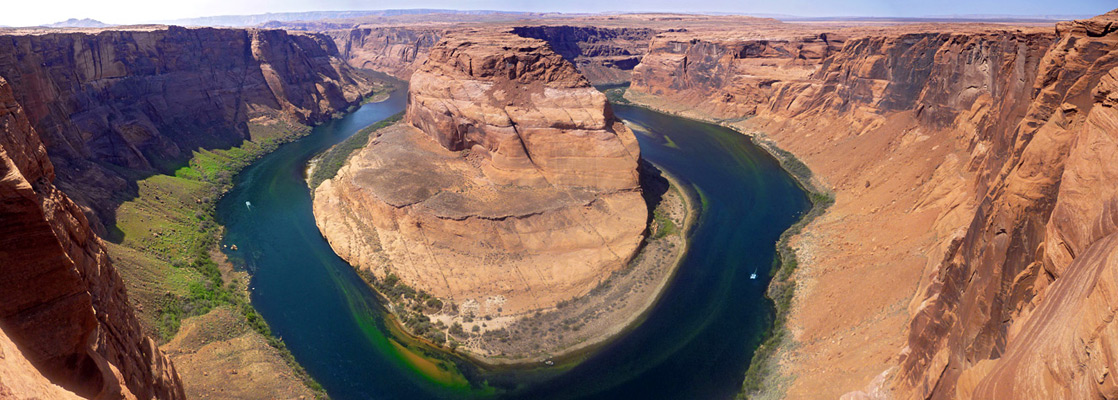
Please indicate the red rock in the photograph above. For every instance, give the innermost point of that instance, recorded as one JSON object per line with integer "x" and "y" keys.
{"x": 61, "y": 300}
{"x": 143, "y": 100}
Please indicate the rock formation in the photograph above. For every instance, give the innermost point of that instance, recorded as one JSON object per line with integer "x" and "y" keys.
{"x": 144, "y": 100}
{"x": 101, "y": 109}
{"x": 511, "y": 181}
{"x": 396, "y": 51}
{"x": 603, "y": 55}
{"x": 523, "y": 104}
{"x": 971, "y": 166}
{"x": 61, "y": 301}
{"x": 729, "y": 74}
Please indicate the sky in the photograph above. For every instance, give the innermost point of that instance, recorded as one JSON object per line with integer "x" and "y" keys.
{"x": 35, "y": 12}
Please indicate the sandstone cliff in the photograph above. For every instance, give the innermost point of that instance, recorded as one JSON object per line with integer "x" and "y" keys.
{"x": 142, "y": 101}
{"x": 511, "y": 183}
{"x": 971, "y": 167}
{"x": 61, "y": 301}
{"x": 728, "y": 74}
{"x": 396, "y": 51}
{"x": 603, "y": 55}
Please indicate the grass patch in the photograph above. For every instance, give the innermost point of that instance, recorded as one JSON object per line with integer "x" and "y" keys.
{"x": 663, "y": 225}
{"x": 330, "y": 161}
{"x": 163, "y": 239}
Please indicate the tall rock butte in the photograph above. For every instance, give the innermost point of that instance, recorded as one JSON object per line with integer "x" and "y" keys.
{"x": 510, "y": 182}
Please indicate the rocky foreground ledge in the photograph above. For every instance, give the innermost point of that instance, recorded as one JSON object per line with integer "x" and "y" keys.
{"x": 509, "y": 191}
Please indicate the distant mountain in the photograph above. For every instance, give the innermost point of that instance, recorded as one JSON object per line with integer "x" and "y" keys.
{"x": 258, "y": 19}
{"x": 79, "y": 23}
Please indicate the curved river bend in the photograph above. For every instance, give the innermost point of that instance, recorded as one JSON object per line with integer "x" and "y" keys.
{"x": 695, "y": 343}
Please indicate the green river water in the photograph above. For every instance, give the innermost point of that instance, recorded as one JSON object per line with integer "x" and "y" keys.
{"x": 696, "y": 342}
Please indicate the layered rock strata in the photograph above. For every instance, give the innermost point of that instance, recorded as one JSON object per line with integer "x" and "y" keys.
{"x": 510, "y": 182}
{"x": 603, "y": 55}
{"x": 61, "y": 301}
{"x": 396, "y": 50}
{"x": 729, "y": 74}
{"x": 970, "y": 166}
{"x": 143, "y": 100}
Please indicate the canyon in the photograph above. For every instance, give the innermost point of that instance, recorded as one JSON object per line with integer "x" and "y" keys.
{"x": 603, "y": 54}
{"x": 968, "y": 252}
{"x": 64, "y": 304}
{"x": 87, "y": 116}
{"x": 509, "y": 188}
{"x": 967, "y": 163}
{"x": 142, "y": 100}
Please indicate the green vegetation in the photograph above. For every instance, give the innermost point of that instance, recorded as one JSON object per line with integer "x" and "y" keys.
{"x": 664, "y": 225}
{"x": 330, "y": 161}
{"x": 615, "y": 93}
{"x": 410, "y": 306}
{"x": 167, "y": 234}
{"x": 763, "y": 366}
{"x": 790, "y": 163}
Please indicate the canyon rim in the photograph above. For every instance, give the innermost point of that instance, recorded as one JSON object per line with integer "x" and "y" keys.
{"x": 962, "y": 169}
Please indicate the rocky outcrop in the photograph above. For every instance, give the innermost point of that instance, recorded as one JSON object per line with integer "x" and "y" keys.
{"x": 603, "y": 55}
{"x": 539, "y": 121}
{"x": 1059, "y": 302}
{"x": 728, "y": 74}
{"x": 61, "y": 301}
{"x": 20, "y": 379}
{"x": 397, "y": 51}
{"x": 512, "y": 183}
{"x": 971, "y": 166}
{"x": 142, "y": 101}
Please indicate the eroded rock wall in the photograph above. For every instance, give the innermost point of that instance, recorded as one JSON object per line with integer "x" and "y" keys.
{"x": 537, "y": 117}
{"x": 61, "y": 301}
{"x": 142, "y": 101}
{"x": 728, "y": 75}
{"x": 397, "y": 51}
{"x": 511, "y": 183}
{"x": 603, "y": 55}
{"x": 973, "y": 182}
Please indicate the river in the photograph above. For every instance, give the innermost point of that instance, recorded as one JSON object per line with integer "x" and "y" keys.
{"x": 695, "y": 343}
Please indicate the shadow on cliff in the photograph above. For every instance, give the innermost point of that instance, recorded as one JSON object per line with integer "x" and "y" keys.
{"x": 199, "y": 138}
{"x": 653, "y": 185}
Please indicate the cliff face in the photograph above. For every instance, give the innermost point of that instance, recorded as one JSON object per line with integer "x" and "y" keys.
{"x": 726, "y": 74}
{"x": 61, "y": 301}
{"x": 511, "y": 184}
{"x": 522, "y": 103}
{"x": 1060, "y": 296}
{"x": 396, "y": 51}
{"x": 143, "y": 100}
{"x": 971, "y": 171}
{"x": 603, "y": 55}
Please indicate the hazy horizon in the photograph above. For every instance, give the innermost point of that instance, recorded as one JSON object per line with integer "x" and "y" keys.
{"x": 140, "y": 11}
